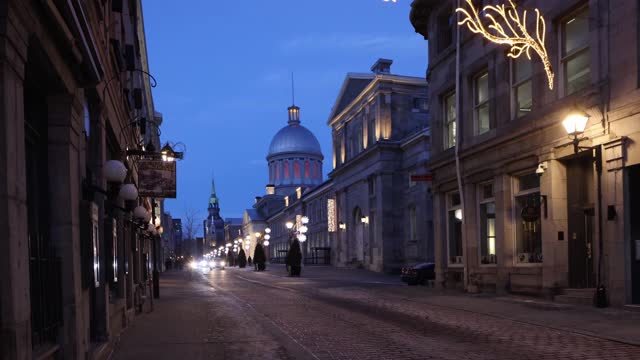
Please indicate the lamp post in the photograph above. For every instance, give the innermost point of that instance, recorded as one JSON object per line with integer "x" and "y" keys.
{"x": 575, "y": 124}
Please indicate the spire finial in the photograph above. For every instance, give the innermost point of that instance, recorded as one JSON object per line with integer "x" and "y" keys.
{"x": 293, "y": 91}
{"x": 294, "y": 111}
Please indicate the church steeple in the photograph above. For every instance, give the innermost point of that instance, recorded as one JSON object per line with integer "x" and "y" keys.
{"x": 213, "y": 199}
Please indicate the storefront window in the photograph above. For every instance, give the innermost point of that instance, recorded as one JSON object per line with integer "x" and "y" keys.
{"x": 527, "y": 216}
{"x": 487, "y": 225}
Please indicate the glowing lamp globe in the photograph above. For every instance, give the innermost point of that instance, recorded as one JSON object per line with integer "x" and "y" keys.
{"x": 304, "y": 220}
{"x": 147, "y": 217}
{"x": 115, "y": 171}
{"x": 266, "y": 243}
{"x": 140, "y": 212}
{"x": 289, "y": 225}
{"x": 575, "y": 123}
{"x": 128, "y": 192}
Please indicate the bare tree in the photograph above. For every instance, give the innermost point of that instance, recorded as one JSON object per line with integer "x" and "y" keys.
{"x": 190, "y": 222}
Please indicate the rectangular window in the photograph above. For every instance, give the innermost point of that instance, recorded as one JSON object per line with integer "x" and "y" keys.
{"x": 450, "y": 121}
{"x": 413, "y": 231}
{"x": 521, "y": 86}
{"x": 481, "y": 103}
{"x": 527, "y": 216}
{"x": 454, "y": 225}
{"x": 576, "y": 62}
{"x": 487, "y": 225}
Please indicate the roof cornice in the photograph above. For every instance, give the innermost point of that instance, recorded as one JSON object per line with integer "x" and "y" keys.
{"x": 395, "y": 79}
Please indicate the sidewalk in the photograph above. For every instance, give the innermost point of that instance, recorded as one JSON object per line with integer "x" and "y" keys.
{"x": 614, "y": 324}
{"x": 175, "y": 326}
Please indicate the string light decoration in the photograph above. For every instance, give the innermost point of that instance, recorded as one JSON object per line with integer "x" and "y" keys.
{"x": 513, "y": 32}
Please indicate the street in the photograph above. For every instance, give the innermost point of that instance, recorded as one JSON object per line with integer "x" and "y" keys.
{"x": 332, "y": 313}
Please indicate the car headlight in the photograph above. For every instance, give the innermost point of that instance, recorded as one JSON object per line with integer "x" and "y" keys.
{"x": 221, "y": 263}
{"x": 193, "y": 265}
{"x": 212, "y": 264}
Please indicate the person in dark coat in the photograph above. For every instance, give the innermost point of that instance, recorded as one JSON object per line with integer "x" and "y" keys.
{"x": 294, "y": 258}
{"x": 259, "y": 258}
{"x": 242, "y": 259}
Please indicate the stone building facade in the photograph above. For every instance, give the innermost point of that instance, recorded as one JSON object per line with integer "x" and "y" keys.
{"x": 71, "y": 258}
{"x": 380, "y": 130}
{"x": 525, "y": 211}
{"x": 369, "y": 213}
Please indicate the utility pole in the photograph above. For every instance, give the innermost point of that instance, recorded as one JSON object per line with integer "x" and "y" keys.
{"x": 156, "y": 274}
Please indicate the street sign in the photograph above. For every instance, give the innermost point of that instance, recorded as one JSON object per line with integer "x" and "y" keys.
{"x": 157, "y": 178}
{"x": 423, "y": 177}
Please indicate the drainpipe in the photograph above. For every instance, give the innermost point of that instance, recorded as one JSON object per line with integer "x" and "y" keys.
{"x": 457, "y": 147}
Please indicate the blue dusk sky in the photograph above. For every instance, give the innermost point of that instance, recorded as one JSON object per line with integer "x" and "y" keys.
{"x": 224, "y": 80}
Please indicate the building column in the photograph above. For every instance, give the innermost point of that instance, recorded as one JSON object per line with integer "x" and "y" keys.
{"x": 15, "y": 307}
{"x": 64, "y": 130}
{"x": 439, "y": 237}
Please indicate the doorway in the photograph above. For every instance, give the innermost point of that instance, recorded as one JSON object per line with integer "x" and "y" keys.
{"x": 633, "y": 180}
{"x": 581, "y": 220}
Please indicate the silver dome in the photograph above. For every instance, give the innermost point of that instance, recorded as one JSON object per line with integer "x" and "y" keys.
{"x": 294, "y": 139}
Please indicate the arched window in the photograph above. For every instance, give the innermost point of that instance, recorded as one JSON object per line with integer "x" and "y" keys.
{"x": 307, "y": 170}
{"x": 296, "y": 169}
{"x": 277, "y": 175}
{"x": 286, "y": 169}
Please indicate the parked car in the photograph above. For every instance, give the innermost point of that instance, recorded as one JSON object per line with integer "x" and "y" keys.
{"x": 418, "y": 273}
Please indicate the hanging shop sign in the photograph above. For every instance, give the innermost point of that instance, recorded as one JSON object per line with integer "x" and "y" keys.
{"x": 530, "y": 213}
{"x": 157, "y": 178}
{"x": 506, "y": 26}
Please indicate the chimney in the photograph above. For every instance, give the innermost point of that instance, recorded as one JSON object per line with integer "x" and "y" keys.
{"x": 382, "y": 66}
{"x": 258, "y": 198}
{"x": 271, "y": 189}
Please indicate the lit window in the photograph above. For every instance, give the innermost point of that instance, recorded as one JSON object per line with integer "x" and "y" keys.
{"x": 576, "y": 61}
{"x": 450, "y": 121}
{"x": 481, "y": 103}
{"x": 527, "y": 218}
{"x": 521, "y": 87}
{"x": 487, "y": 225}
{"x": 296, "y": 169}
{"x": 454, "y": 226}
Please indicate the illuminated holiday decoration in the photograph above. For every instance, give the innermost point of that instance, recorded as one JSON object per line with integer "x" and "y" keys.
{"x": 507, "y": 27}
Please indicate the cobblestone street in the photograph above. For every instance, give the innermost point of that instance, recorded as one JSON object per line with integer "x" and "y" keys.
{"x": 350, "y": 314}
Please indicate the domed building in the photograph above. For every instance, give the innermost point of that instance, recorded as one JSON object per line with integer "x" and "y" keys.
{"x": 295, "y": 157}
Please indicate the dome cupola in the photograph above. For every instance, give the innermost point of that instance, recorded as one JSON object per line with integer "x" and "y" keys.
{"x": 294, "y": 157}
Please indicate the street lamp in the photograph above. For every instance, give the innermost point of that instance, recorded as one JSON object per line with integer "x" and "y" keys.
{"x": 115, "y": 171}
{"x": 298, "y": 229}
{"x": 267, "y": 236}
{"x": 575, "y": 123}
